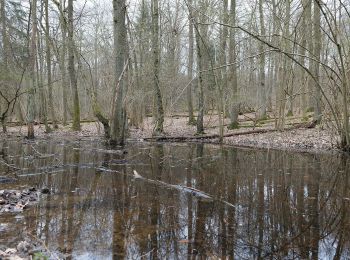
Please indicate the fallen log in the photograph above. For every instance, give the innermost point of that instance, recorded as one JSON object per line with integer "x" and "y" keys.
{"x": 205, "y": 137}
{"x": 216, "y": 136}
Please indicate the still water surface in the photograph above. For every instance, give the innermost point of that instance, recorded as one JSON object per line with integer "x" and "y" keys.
{"x": 193, "y": 201}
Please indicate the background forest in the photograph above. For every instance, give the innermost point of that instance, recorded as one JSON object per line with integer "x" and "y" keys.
{"x": 65, "y": 62}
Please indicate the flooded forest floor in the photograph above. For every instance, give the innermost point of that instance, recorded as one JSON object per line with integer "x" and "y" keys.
{"x": 297, "y": 136}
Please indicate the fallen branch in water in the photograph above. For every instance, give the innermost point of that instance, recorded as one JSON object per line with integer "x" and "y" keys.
{"x": 190, "y": 190}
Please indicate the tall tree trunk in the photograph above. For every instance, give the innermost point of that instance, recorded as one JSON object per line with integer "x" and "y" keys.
{"x": 5, "y": 48}
{"x": 303, "y": 80}
{"x": 48, "y": 64}
{"x": 62, "y": 62}
{"x": 156, "y": 57}
{"x": 40, "y": 80}
{"x": 316, "y": 65}
{"x": 191, "y": 119}
{"x": 232, "y": 79}
{"x": 4, "y": 35}
{"x": 32, "y": 66}
{"x": 71, "y": 68}
{"x": 200, "y": 51}
{"x": 262, "y": 78}
{"x": 223, "y": 43}
{"x": 284, "y": 70}
{"x": 310, "y": 46}
{"x": 118, "y": 122}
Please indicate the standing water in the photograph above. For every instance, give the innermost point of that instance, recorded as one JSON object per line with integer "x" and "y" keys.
{"x": 167, "y": 201}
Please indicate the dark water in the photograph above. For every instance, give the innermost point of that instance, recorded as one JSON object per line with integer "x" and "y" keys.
{"x": 245, "y": 204}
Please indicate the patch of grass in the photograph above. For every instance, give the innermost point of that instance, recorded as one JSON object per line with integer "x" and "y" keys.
{"x": 290, "y": 114}
{"x": 233, "y": 126}
{"x": 264, "y": 118}
{"x": 40, "y": 256}
{"x": 200, "y": 133}
{"x": 310, "y": 110}
{"x": 305, "y": 119}
{"x": 192, "y": 122}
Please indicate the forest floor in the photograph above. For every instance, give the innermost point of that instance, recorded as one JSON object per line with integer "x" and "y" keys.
{"x": 296, "y": 137}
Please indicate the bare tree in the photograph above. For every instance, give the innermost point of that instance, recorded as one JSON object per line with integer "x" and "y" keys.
{"x": 71, "y": 68}
{"x": 118, "y": 121}
{"x": 191, "y": 119}
{"x": 156, "y": 60}
{"x": 48, "y": 64}
{"x": 232, "y": 78}
{"x": 262, "y": 78}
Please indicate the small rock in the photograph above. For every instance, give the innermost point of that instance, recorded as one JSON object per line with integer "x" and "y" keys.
{"x": 10, "y": 251}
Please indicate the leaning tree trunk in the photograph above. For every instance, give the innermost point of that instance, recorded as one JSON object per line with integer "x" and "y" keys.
{"x": 71, "y": 68}
{"x": 32, "y": 65}
{"x": 118, "y": 122}
{"x": 156, "y": 57}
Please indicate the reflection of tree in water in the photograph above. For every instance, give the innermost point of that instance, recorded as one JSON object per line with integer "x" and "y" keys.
{"x": 285, "y": 205}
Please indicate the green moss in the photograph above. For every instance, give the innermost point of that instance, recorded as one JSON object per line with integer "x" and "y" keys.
{"x": 290, "y": 113}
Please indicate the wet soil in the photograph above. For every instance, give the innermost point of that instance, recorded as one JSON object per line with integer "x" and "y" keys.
{"x": 318, "y": 139}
